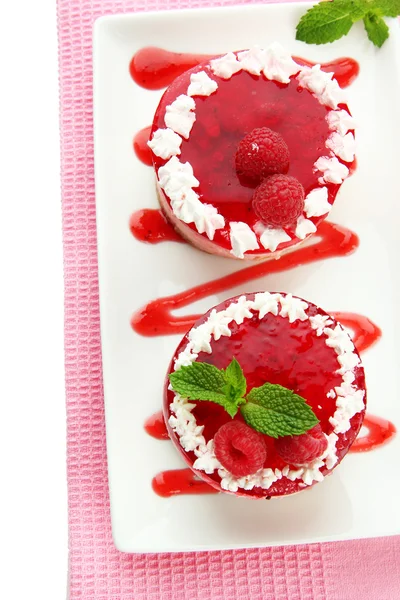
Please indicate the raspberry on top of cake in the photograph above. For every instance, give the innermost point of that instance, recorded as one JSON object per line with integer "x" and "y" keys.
{"x": 250, "y": 150}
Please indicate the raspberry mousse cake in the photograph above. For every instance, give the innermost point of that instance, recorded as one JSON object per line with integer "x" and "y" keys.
{"x": 264, "y": 395}
{"x": 250, "y": 150}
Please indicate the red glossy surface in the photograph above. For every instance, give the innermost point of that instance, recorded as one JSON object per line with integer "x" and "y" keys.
{"x": 155, "y": 426}
{"x": 180, "y": 481}
{"x": 380, "y": 431}
{"x": 156, "y": 317}
{"x": 141, "y": 148}
{"x": 155, "y": 68}
{"x": 149, "y": 225}
{"x": 290, "y": 354}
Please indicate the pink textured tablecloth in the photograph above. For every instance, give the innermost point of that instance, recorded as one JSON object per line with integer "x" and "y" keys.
{"x": 367, "y": 569}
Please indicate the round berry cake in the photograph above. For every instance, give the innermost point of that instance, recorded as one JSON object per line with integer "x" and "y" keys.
{"x": 250, "y": 150}
{"x": 264, "y": 395}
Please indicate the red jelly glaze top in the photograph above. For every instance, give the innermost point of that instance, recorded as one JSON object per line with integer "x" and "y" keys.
{"x": 238, "y": 106}
{"x": 276, "y": 351}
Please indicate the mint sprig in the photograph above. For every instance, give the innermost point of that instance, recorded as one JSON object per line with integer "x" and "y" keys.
{"x": 270, "y": 409}
{"x": 201, "y": 381}
{"x": 329, "y": 21}
{"x": 277, "y": 411}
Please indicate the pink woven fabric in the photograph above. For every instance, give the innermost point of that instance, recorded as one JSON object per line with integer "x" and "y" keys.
{"x": 366, "y": 569}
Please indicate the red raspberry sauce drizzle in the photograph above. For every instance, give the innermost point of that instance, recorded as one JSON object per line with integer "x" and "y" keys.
{"x": 155, "y": 426}
{"x": 380, "y": 431}
{"x": 140, "y": 146}
{"x": 156, "y": 317}
{"x": 365, "y": 332}
{"x": 155, "y": 68}
{"x": 345, "y": 69}
{"x": 149, "y": 225}
{"x": 180, "y": 481}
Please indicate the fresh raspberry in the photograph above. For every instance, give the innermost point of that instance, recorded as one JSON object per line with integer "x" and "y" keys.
{"x": 261, "y": 153}
{"x": 302, "y": 449}
{"x": 279, "y": 200}
{"x": 240, "y": 449}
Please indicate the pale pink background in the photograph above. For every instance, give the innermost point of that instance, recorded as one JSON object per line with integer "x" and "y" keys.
{"x": 367, "y": 569}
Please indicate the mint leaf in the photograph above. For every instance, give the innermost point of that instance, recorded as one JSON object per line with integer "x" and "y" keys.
{"x": 376, "y": 29}
{"x": 236, "y": 381}
{"x": 201, "y": 381}
{"x": 329, "y": 21}
{"x": 385, "y": 8}
{"x": 276, "y": 411}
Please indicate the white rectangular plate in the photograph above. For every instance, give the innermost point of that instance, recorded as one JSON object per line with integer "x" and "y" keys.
{"x": 361, "y": 497}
